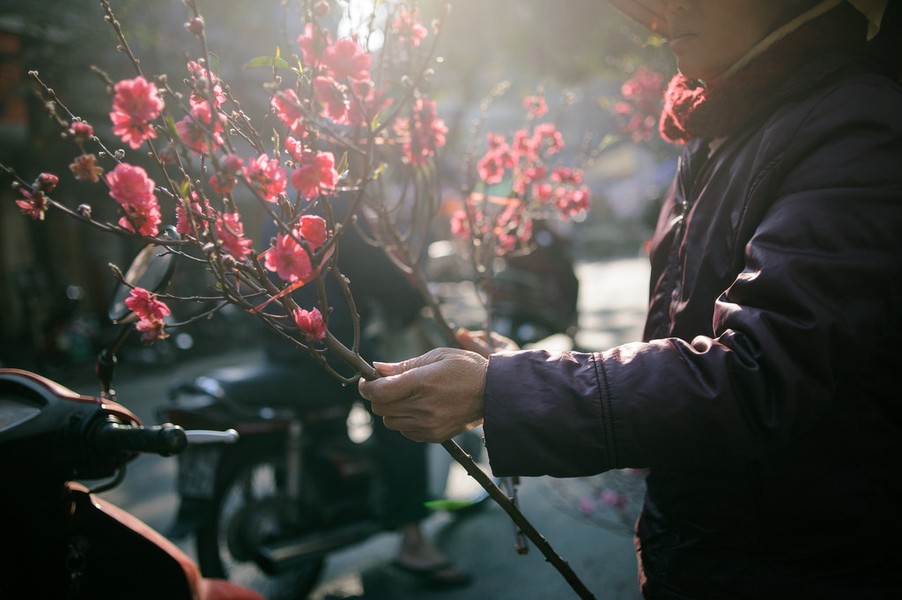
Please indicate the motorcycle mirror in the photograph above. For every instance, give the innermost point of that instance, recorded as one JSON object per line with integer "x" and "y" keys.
{"x": 151, "y": 269}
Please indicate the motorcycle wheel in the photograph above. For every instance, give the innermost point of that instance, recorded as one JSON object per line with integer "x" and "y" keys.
{"x": 253, "y": 508}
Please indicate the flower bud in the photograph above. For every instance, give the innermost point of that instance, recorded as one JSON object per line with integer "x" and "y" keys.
{"x": 84, "y": 210}
{"x": 46, "y": 182}
{"x": 195, "y": 25}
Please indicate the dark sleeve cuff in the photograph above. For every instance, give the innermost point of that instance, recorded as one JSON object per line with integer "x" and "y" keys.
{"x": 543, "y": 414}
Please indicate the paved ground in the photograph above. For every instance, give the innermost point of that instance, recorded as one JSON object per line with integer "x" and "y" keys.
{"x": 579, "y": 521}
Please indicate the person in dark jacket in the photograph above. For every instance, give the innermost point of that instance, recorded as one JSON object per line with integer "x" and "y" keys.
{"x": 765, "y": 398}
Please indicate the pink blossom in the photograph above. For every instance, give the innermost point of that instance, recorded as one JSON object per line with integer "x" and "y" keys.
{"x": 535, "y": 106}
{"x": 316, "y": 175}
{"x": 146, "y": 305}
{"x": 288, "y": 109}
{"x": 408, "y": 29}
{"x": 266, "y": 177}
{"x": 185, "y": 225}
{"x": 333, "y": 104}
{"x": 641, "y": 105}
{"x": 133, "y": 190}
{"x": 312, "y": 229}
{"x": 201, "y": 79}
{"x": 34, "y": 204}
{"x": 311, "y": 323}
{"x": 423, "y": 133}
{"x": 85, "y": 168}
{"x": 347, "y": 59}
{"x": 567, "y": 175}
{"x": 136, "y": 102}
{"x": 230, "y": 232}
{"x": 547, "y": 139}
{"x": 496, "y": 161}
{"x": 295, "y": 148}
{"x": 312, "y": 43}
{"x": 151, "y": 330}
{"x": 288, "y": 259}
{"x": 199, "y": 130}
{"x": 224, "y": 180}
{"x": 46, "y": 182}
{"x": 81, "y": 130}
{"x": 571, "y": 202}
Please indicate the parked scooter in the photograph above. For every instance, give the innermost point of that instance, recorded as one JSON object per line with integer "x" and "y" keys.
{"x": 60, "y": 540}
{"x": 301, "y": 482}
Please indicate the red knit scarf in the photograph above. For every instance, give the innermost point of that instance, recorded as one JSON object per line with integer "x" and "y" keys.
{"x": 723, "y": 105}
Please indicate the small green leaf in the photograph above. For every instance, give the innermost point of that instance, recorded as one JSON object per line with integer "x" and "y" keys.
{"x": 448, "y": 504}
{"x": 266, "y": 61}
{"x": 343, "y": 164}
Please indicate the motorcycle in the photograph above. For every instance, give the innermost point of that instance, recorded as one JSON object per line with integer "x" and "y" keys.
{"x": 301, "y": 482}
{"x": 60, "y": 539}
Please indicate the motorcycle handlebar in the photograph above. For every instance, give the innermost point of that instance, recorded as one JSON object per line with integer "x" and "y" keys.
{"x": 165, "y": 440}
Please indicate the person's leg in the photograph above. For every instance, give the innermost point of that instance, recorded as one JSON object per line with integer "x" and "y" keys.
{"x": 404, "y": 470}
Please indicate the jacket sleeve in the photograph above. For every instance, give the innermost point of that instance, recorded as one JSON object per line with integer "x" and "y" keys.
{"x": 806, "y": 334}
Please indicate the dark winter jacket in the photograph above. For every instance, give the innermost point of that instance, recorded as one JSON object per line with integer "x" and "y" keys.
{"x": 767, "y": 397}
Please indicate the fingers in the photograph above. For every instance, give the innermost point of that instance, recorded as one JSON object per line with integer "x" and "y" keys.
{"x": 432, "y": 397}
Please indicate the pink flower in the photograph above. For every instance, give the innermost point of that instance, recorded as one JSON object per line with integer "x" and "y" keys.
{"x": 347, "y": 59}
{"x": 151, "y": 330}
{"x": 81, "y": 130}
{"x": 331, "y": 99}
{"x": 567, "y": 175}
{"x": 146, "y": 305}
{"x": 496, "y": 161}
{"x": 136, "y": 102}
{"x": 46, "y": 182}
{"x": 295, "y": 148}
{"x": 230, "y": 232}
{"x": 266, "y": 177}
{"x": 85, "y": 168}
{"x": 408, "y": 29}
{"x": 316, "y": 175}
{"x": 288, "y": 109}
{"x": 34, "y": 204}
{"x": 311, "y": 323}
{"x": 224, "y": 180}
{"x": 201, "y": 78}
{"x": 133, "y": 190}
{"x": 547, "y": 138}
{"x": 571, "y": 202}
{"x": 535, "y": 106}
{"x": 185, "y": 225}
{"x": 423, "y": 133}
{"x": 312, "y": 43}
{"x": 312, "y": 229}
{"x": 199, "y": 130}
{"x": 288, "y": 259}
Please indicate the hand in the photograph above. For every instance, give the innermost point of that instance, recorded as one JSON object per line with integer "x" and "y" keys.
{"x": 479, "y": 343}
{"x": 430, "y": 398}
